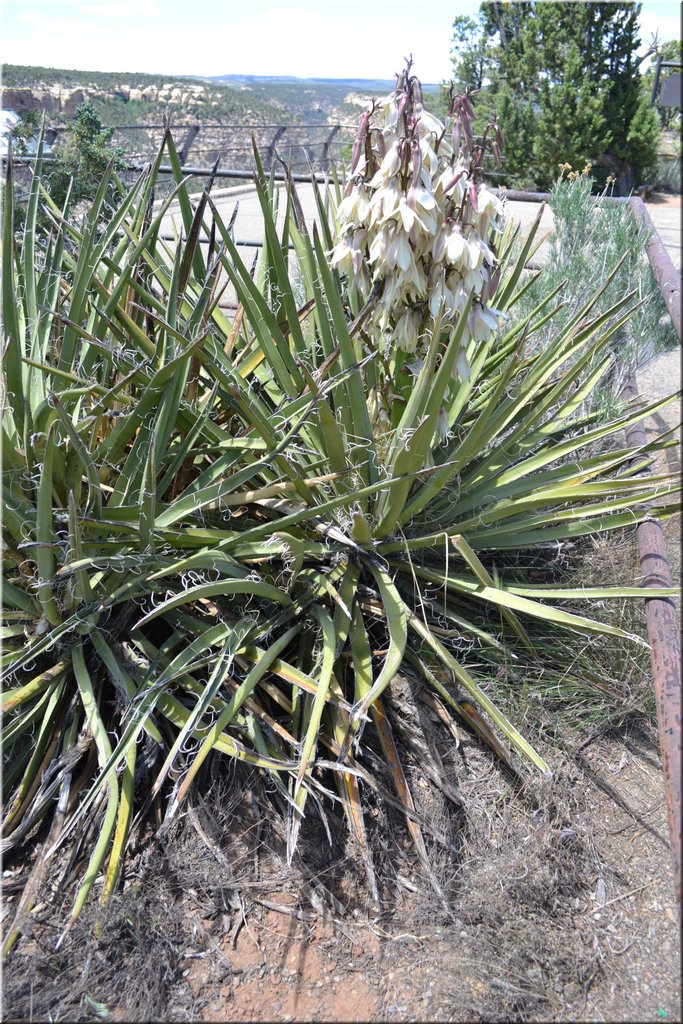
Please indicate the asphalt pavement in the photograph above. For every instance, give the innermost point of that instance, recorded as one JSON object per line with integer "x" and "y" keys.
{"x": 665, "y": 213}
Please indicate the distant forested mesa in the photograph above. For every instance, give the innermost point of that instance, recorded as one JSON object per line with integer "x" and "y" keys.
{"x": 126, "y": 97}
{"x": 567, "y": 83}
{"x": 227, "y": 112}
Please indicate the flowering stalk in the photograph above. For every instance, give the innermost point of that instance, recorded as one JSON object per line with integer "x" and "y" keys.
{"x": 413, "y": 229}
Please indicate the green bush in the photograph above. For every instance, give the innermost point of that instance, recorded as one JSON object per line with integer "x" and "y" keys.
{"x": 216, "y": 546}
{"x": 592, "y": 236}
{"x": 83, "y": 158}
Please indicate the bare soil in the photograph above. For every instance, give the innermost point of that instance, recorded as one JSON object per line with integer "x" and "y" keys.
{"x": 558, "y": 907}
{"x": 664, "y": 199}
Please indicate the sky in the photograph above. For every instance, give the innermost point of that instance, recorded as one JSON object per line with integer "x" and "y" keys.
{"x": 305, "y": 38}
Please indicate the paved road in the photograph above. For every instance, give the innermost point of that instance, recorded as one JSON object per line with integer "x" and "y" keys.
{"x": 248, "y": 226}
{"x": 666, "y": 217}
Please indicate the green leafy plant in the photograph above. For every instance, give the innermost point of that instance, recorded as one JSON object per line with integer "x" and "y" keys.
{"x": 591, "y": 235}
{"x": 213, "y": 547}
{"x": 83, "y": 157}
{"x": 25, "y": 132}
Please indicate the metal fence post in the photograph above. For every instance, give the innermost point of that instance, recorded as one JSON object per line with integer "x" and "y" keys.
{"x": 189, "y": 139}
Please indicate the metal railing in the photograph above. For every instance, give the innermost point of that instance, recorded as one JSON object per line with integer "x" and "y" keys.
{"x": 300, "y": 146}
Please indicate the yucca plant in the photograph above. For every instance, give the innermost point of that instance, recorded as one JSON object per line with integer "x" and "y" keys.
{"x": 228, "y": 536}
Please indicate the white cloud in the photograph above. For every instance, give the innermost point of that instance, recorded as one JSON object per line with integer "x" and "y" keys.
{"x": 122, "y": 10}
{"x": 664, "y": 26}
{"x": 32, "y": 18}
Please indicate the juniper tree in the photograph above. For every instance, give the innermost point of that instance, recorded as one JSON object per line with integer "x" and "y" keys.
{"x": 565, "y": 80}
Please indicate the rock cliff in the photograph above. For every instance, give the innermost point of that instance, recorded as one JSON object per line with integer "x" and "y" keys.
{"x": 61, "y": 101}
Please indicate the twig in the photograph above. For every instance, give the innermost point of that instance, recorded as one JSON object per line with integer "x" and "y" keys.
{"x": 625, "y": 894}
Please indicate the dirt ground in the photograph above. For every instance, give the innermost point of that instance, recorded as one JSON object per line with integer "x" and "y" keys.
{"x": 556, "y": 906}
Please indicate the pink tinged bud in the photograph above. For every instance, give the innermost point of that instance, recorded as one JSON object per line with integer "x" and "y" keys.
{"x": 456, "y": 135}
{"x": 402, "y": 104}
{"x": 472, "y": 194}
{"x": 453, "y": 182}
{"x": 496, "y": 153}
{"x": 417, "y": 161}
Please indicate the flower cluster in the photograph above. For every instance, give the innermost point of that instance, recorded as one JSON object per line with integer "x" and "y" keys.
{"x": 575, "y": 175}
{"x": 415, "y": 219}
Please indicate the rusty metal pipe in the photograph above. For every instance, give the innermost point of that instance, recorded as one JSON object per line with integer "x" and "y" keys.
{"x": 660, "y": 612}
{"x": 665, "y": 657}
{"x": 666, "y": 275}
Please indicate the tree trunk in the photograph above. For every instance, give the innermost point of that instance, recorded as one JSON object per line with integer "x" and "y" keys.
{"x": 621, "y": 170}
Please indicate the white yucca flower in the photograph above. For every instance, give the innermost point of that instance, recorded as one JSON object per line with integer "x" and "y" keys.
{"x": 415, "y": 222}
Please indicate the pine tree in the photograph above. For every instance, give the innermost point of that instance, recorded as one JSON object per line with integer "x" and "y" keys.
{"x": 565, "y": 80}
